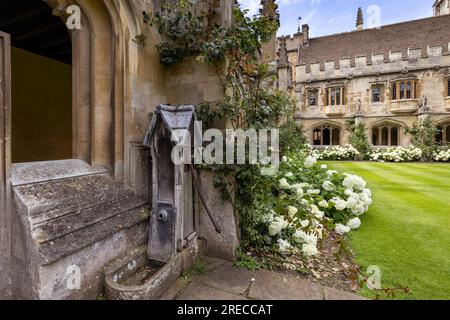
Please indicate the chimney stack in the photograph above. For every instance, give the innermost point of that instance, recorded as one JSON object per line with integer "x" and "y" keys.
{"x": 305, "y": 32}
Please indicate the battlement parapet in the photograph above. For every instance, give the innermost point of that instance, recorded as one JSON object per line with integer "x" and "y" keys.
{"x": 393, "y": 61}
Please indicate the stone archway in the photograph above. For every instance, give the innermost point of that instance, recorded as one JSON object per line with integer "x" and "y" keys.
{"x": 99, "y": 80}
{"x": 100, "y": 74}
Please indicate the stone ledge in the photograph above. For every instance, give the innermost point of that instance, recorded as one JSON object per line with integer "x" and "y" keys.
{"x": 35, "y": 172}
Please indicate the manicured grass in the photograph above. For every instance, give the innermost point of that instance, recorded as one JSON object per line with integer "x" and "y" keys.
{"x": 407, "y": 230}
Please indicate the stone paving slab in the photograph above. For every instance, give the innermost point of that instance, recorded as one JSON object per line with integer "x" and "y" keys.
{"x": 223, "y": 281}
{"x": 227, "y": 278}
{"x": 199, "y": 291}
{"x": 276, "y": 286}
{"x": 334, "y": 294}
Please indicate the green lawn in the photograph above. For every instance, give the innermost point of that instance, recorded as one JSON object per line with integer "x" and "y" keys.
{"x": 407, "y": 230}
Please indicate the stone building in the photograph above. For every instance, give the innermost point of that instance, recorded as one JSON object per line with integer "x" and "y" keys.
{"x": 388, "y": 78}
{"x": 75, "y": 105}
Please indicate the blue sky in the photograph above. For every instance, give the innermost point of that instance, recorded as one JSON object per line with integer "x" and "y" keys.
{"x": 334, "y": 16}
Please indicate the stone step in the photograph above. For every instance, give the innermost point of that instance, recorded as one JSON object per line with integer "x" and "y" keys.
{"x": 53, "y": 199}
{"x": 73, "y": 206}
{"x": 60, "y": 248}
{"x": 44, "y": 171}
{"x": 51, "y": 229}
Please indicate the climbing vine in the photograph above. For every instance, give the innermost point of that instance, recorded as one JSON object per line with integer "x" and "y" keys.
{"x": 250, "y": 101}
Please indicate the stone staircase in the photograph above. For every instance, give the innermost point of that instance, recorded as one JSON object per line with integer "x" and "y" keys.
{"x": 66, "y": 206}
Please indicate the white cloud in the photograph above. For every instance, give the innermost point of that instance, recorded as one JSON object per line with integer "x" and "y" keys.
{"x": 251, "y": 5}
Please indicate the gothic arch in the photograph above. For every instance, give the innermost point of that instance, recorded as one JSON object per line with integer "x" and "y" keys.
{"x": 100, "y": 73}
{"x": 387, "y": 122}
{"x": 327, "y": 133}
{"x": 443, "y": 136}
{"x": 386, "y": 133}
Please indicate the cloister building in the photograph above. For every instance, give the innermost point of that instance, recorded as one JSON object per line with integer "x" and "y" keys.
{"x": 388, "y": 78}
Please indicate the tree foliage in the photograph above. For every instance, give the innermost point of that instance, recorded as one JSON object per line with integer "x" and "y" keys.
{"x": 424, "y": 137}
{"x": 358, "y": 138}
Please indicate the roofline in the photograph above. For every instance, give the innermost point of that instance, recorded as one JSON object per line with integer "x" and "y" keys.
{"x": 381, "y": 28}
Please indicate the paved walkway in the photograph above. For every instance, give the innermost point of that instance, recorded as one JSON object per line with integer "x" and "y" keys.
{"x": 223, "y": 281}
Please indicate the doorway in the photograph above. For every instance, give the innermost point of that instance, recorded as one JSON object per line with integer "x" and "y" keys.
{"x": 41, "y": 81}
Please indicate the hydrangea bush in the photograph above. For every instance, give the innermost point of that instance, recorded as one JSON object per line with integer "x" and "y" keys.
{"x": 399, "y": 154}
{"x": 442, "y": 155}
{"x": 338, "y": 153}
{"x": 305, "y": 200}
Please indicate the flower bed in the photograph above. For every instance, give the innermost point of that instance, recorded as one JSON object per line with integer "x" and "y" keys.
{"x": 338, "y": 153}
{"x": 442, "y": 155}
{"x": 306, "y": 200}
{"x": 399, "y": 154}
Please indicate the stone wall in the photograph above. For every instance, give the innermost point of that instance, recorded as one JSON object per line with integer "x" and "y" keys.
{"x": 118, "y": 82}
{"x": 221, "y": 245}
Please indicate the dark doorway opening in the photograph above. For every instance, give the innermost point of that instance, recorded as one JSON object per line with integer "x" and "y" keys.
{"x": 41, "y": 76}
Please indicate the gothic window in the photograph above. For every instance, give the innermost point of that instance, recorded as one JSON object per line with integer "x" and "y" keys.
{"x": 375, "y": 136}
{"x": 386, "y": 135}
{"x": 440, "y": 135}
{"x": 312, "y": 98}
{"x": 327, "y": 136}
{"x": 335, "y": 96}
{"x": 404, "y": 89}
{"x": 377, "y": 93}
{"x": 447, "y": 134}
{"x": 443, "y": 135}
{"x": 448, "y": 87}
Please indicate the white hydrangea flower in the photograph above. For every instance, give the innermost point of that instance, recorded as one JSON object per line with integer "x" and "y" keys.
{"x": 354, "y": 182}
{"x": 317, "y": 213}
{"x": 292, "y": 211}
{"x": 277, "y": 225}
{"x": 323, "y": 204}
{"x": 341, "y": 229}
{"x": 339, "y": 204}
{"x": 328, "y": 186}
{"x": 299, "y": 192}
{"x": 310, "y": 162}
{"x": 300, "y": 235}
{"x": 285, "y": 247}
{"x": 313, "y": 192}
{"x": 289, "y": 175}
{"x": 330, "y": 173}
{"x": 354, "y": 223}
{"x": 284, "y": 183}
{"x": 285, "y": 159}
{"x": 304, "y": 223}
{"x": 309, "y": 250}
{"x": 324, "y": 167}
